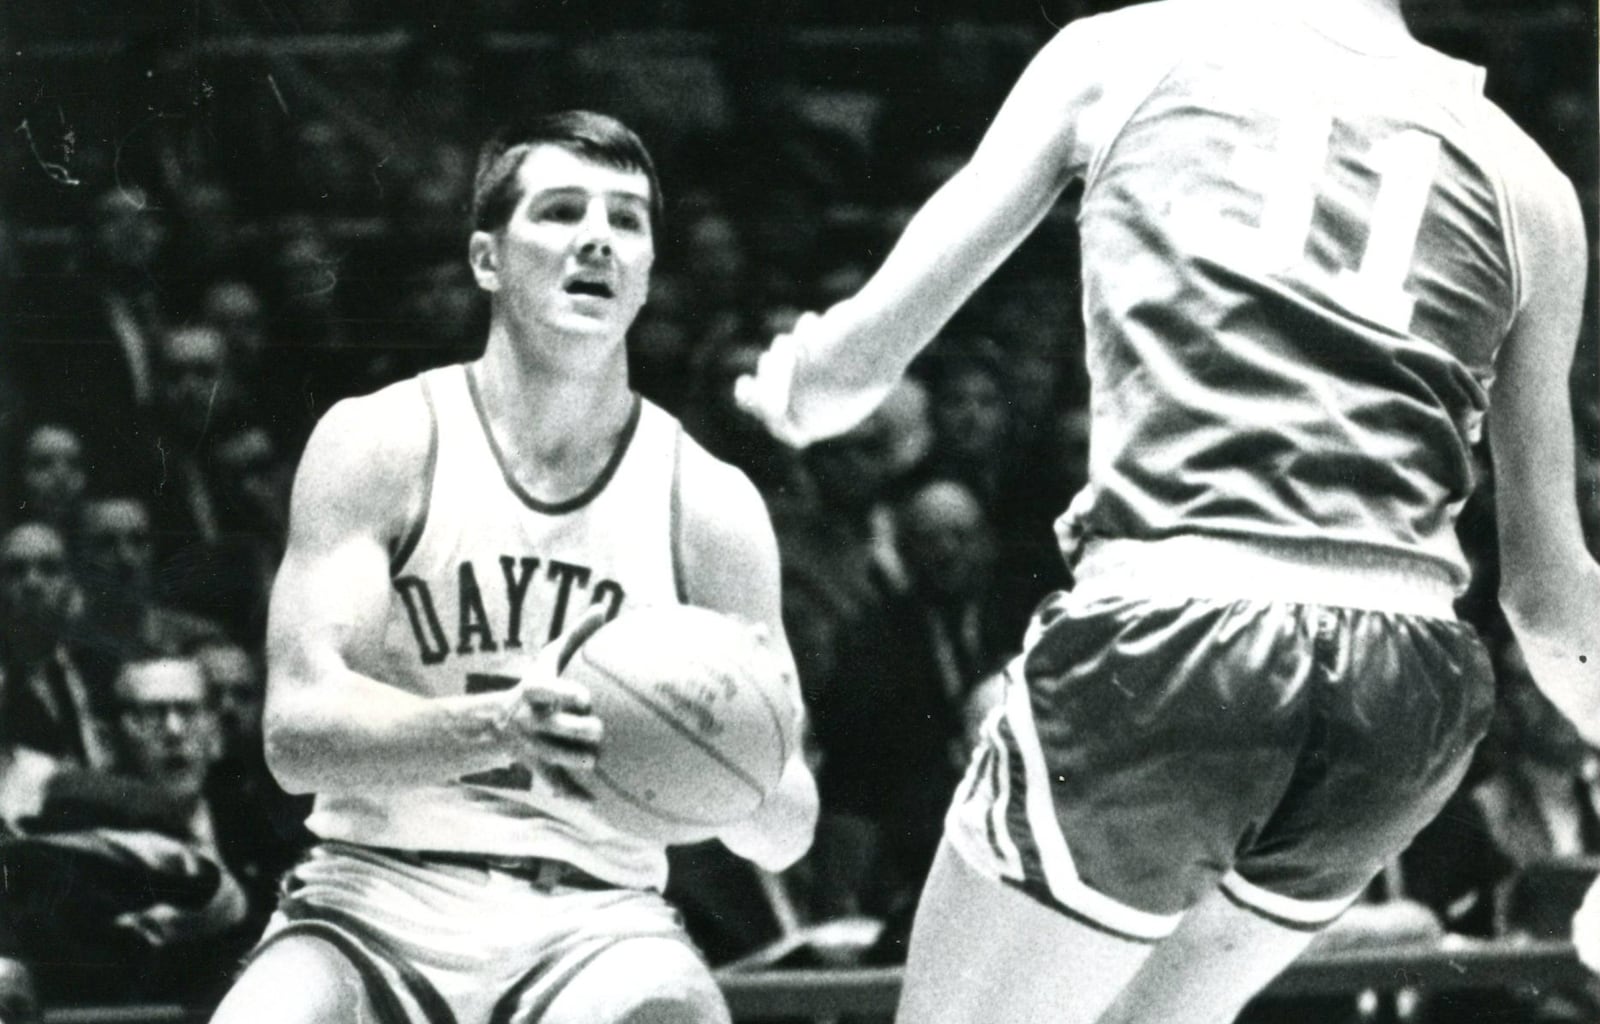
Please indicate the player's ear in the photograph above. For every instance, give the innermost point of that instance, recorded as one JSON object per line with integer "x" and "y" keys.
{"x": 483, "y": 255}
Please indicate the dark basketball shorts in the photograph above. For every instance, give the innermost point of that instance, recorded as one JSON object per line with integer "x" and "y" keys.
{"x": 1159, "y": 739}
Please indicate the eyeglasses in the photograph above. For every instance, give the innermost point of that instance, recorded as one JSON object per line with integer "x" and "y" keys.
{"x": 154, "y": 713}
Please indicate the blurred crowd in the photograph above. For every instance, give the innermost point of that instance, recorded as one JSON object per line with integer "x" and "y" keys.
{"x": 216, "y": 224}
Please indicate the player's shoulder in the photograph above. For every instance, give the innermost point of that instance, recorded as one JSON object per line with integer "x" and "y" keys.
{"x": 704, "y": 479}
{"x": 393, "y": 422}
{"x": 1523, "y": 162}
{"x": 370, "y": 450}
{"x": 713, "y": 496}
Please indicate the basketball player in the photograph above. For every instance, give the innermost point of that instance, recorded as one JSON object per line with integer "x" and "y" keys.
{"x": 1311, "y": 251}
{"x": 451, "y": 536}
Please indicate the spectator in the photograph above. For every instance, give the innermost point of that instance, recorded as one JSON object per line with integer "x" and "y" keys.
{"x": 226, "y": 576}
{"x": 975, "y": 441}
{"x": 150, "y": 900}
{"x": 197, "y": 399}
{"x": 208, "y": 239}
{"x": 90, "y": 334}
{"x": 19, "y": 998}
{"x": 325, "y": 175}
{"x": 233, "y": 307}
{"x": 841, "y": 543}
{"x": 114, "y": 560}
{"x": 260, "y": 829}
{"x": 1542, "y": 803}
{"x": 51, "y": 474}
{"x": 45, "y": 702}
{"x": 894, "y": 733}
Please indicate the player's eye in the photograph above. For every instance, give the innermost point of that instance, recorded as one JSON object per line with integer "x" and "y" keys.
{"x": 628, "y": 220}
{"x": 563, "y": 212}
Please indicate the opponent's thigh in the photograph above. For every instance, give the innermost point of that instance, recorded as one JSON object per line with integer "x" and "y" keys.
{"x": 297, "y": 979}
{"x": 1206, "y": 971}
{"x": 647, "y": 980}
{"x": 983, "y": 952}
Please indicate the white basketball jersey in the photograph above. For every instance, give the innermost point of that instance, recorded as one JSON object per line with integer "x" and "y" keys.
{"x": 487, "y": 577}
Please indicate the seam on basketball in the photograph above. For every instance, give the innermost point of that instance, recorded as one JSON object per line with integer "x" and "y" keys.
{"x": 652, "y": 809}
{"x": 680, "y": 729}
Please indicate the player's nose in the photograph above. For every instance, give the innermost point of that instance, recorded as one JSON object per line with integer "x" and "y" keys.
{"x": 594, "y": 232}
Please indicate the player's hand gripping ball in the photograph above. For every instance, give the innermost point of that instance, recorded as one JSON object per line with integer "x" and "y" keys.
{"x": 697, "y": 716}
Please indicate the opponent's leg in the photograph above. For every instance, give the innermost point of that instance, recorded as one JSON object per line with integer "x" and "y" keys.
{"x": 647, "y": 980}
{"x": 981, "y": 951}
{"x": 1207, "y": 970}
{"x": 299, "y": 978}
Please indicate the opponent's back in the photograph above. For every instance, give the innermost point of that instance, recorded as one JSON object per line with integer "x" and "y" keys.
{"x": 1299, "y": 263}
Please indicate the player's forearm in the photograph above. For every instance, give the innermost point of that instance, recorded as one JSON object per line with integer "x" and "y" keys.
{"x": 352, "y": 734}
{"x": 1554, "y": 619}
{"x": 952, "y": 245}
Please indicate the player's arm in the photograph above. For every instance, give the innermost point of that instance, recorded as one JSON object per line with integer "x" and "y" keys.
{"x": 1550, "y": 585}
{"x": 730, "y": 565}
{"x": 328, "y": 727}
{"x": 832, "y": 371}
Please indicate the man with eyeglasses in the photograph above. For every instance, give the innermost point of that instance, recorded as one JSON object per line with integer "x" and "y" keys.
{"x": 90, "y": 887}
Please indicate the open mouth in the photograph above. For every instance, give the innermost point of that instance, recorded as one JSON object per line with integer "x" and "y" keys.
{"x": 598, "y": 289}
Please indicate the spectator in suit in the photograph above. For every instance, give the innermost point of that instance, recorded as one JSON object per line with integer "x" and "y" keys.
{"x": 85, "y": 341}
{"x": 115, "y": 564}
{"x": 893, "y": 730}
{"x": 260, "y": 829}
{"x": 108, "y": 907}
{"x": 46, "y": 702}
{"x": 51, "y": 474}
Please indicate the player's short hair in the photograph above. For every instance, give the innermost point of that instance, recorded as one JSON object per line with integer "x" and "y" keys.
{"x": 599, "y": 138}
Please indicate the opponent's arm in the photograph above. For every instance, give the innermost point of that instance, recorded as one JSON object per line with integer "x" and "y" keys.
{"x": 1550, "y": 586}
{"x": 328, "y": 727}
{"x": 730, "y": 565}
{"x": 832, "y": 371}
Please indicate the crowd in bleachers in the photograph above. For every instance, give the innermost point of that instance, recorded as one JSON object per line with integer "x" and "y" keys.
{"x": 217, "y": 223}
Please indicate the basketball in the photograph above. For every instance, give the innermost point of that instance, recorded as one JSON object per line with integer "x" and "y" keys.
{"x": 697, "y": 719}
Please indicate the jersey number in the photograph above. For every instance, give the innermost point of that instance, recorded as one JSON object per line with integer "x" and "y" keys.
{"x": 1369, "y": 239}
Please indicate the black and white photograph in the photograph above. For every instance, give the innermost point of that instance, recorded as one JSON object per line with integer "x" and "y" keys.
{"x": 736, "y": 511}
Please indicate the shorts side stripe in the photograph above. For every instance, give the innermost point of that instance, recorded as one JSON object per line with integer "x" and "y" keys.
{"x": 995, "y": 820}
{"x": 434, "y": 1009}
{"x": 1300, "y": 915}
{"x": 386, "y": 1006}
{"x": 1047, "y": 847}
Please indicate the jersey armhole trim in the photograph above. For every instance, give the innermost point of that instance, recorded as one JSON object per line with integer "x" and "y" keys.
{"x": 413, "y": 535}
{"x": 1098, "y": 157}
{"x": 1508, "y": 211}
{"x": 675, "y": 520}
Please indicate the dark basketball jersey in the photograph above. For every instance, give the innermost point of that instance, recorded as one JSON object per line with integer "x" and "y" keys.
{"x": 1299, "y": 263}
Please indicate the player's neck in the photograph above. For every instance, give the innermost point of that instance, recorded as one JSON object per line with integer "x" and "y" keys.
{"x": 550, "y": 412}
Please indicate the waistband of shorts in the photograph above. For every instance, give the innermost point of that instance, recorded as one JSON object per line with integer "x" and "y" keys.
{"x": 542, "y": 873}
{"x": 1298, "y": 572}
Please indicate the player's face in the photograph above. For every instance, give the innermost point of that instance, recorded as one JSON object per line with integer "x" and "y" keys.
{"x": 577, "y": 251}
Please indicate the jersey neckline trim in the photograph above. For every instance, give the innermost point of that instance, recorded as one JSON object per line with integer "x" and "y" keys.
{"x": 565, "y": 505}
